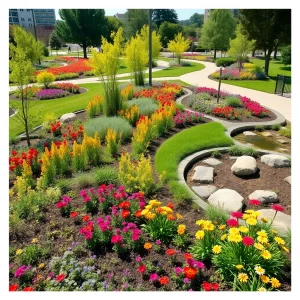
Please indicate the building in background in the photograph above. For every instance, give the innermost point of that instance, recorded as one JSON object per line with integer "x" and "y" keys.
{"x": 207, "y": 13}
{"x": 121, "y": 17}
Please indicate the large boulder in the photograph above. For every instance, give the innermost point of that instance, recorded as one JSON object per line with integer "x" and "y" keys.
{"x": 275, "y": 160}
{"x": 244, "y": 165}
{"x": 204, "y": 191}
{"x": 226, "y": 199}
{"x": 66, "y": 118}
{"x": 264, "y": 196}
{"x": 203, "y": 174}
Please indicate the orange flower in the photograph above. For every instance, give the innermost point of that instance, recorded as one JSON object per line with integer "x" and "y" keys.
{"x": 138, "y": 213}
{"x": 85, "y": 218}
{"x": 171, "y": 205}
{"x": 164, "y": 280}
{"x": 148, "y": 246}
{"x": 190, "y": 272}
{"x": 170, "y": 252}
{"x": 171, "y": 217}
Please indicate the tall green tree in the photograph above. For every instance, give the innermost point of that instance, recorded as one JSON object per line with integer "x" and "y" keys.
{"x": 54, "y": 41}
{"x": 167, "y": 32}
{"x": 164, "y": 15}
{"x": 268, "y": 27}
{"x": 196, "y": 19}
{"x": 156, "y": 44}
{"x": 113, "y": 26}
{"x": 82, "y": 26}
{"x": 135, "y": 19}
{"x": 218, "y": 30}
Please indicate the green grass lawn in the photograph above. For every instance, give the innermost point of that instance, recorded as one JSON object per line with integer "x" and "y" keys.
{"x": 268, "y": 85}
{"x": 186, "y": 142}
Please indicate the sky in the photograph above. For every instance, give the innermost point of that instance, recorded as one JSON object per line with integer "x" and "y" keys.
{"x": 183, "y": 14}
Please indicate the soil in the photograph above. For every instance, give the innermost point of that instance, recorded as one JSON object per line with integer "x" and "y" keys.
{"x": 271, "y": 116}
{"x": 266, "y": 178}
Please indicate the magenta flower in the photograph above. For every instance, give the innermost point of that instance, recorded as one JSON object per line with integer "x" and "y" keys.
{"x": 154, "y": 277}
{"x": 138, "y": 259}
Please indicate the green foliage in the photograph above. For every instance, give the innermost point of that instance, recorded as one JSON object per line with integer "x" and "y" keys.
{"x": 83, "y": 180}
{"x": 146, "y": 106}
{"x": 67, "y": 76}
{"x": 64, "y": 184}
{"x": 180, "y": 107}
{"x": 178, "y": 45}
{"x": 168, "y": 31}
{"x": 260, "y": 127}
{"x": 180, "y": 193}
{"x": 45, "y": 78}
{"x": 216, "y": 154}
{"x": 164, "y": 15}
{"x": 286, "y": 55}
{"x": 105, "y": 175}
{"x": 234, "y": 102}
{"x": 55, "y": 42}
{"x": 250, "y": 152}
{"x": 156, "y": 44}
{"x": 286, "y": 131}
{"x": 276, "y": 127}
{"x": 101, "y": 125}
{"x": 225, "y": 61}
{"x": 216, "y": 214}
{"x": 235, "y": 150}
{"x": 135, "y": 19}
{"x": 45, "y": 51}
{"x": 47, "y": 120}
{"x": 32, "y": 255}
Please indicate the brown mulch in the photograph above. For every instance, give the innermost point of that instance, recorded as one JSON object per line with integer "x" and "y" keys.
{"x": 266, "y": 178}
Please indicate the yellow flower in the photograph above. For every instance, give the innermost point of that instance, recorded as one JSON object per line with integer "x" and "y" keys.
{"x": 285, "y": 249}
{"x": 275, "y": 283}
{"x": 235, "y": 238}
{"x": 255, "y": 214}
{"x": 234, "y": 230}
{"x": 35, "y": 240}
{"x": 150, "y": 216}
{"x": 262, "y": 233}
{"x": 265, "y": 220}
{"x": 200, "y": 222}
{"x": 266, "y": 254}
{"x": 259, "y": 270}
{"x": 144, "y": 212}
{"x": 259, "y": 246}
{"x": 244, "y": 229}
{"x": 239, "y": 267}
{"x": 181, "y": 229}
{"x": 262, "y": 239}
{"x": 279, "y": 240}
{"x": 246, "y": 216}
{"x": 19, "y": 251}
{"x": 262, "y": 289}
{"x": 222, "y": 227}
{"x": 41, "y": 266}
{"x": 200, "y": 234}
{"x": 217, "y": 249}
{"x": 154, "y": 203}
{"x": 274, "y": 231}
{"x": 264, "y": 279}
{"x": 251, "y": 221}
{"x": 179, "y": 216}
{"x": 243, "y": 277}
{"x": 209, "y": 227}
{"x": 249, "y": 211}
{"x": 223, "y": 237}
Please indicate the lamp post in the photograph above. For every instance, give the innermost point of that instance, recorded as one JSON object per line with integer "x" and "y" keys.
{"x": 219, "y": 85}
{"x": 34, "y": 29}
{"x": 150, "y": 47}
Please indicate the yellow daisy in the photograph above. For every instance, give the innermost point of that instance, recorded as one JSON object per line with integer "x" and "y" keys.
{"x": 262, "y": 233}
{"x": 251, "y": 221}
{"x": 179, "y": 216}
{"x": 222, "y": 227}
{"x": 259, "y": 246}
{"x": 264, "y": 279}
{"x": 275, "y": 282}
{"x": 223, "y": 237}
{"x": 200, "y": 222}
{"x": 35, "y": 240}
{"x": 262, "y": 289}
{"x": 279, "y": 240}
{"x": 266, "y": 254}
{"x": 285, "y": 249}
{"x": 239, "y": 267}
{"x": 234, "y": 230}
{"x": 262, "y": 239}
{"x": 244, "y": 229}
{"x": 41, "y": 266}
{"x": 243, "y": 277}
{"x": 259, "y": 270}
{"x": 199, "y": 234}
{"x": 217, "y": 249}
{"x": 19, "y": 251}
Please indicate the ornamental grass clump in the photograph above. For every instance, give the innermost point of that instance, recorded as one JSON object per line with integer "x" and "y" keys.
{"x": 113, "y": 142}
{"x": 146, "y": 106}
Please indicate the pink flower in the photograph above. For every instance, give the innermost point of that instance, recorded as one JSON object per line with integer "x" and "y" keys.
{"x": 116, "y": 239}
{"x": 178, "y": 270}
{"x": 142, "y": 268}
{"x": 248, "y": 241}
{"x": 199, "y": 264}
{"x": 87, "y": 199}
{"x": 138, "y": 259}
{"x": 255, "y": 202}
{"x": 237, "y": 214}
{"x": 277, "y": 207}
{"x": 232, "y": 223}
{"x": 153, "y": 277}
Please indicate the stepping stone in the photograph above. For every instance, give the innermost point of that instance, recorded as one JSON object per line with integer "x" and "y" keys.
{"x": 283, "y": 150}
{"x": 288, "y": 179}
{"x": 267, "y": 134}
{"x": 203, "y": 174}
{"x": 226, "y": 199}
{"x": 282, "y": 222}
{"x": 244, "y": 165}
{"x": 264, "y": 196}
{"x": 249, "y": 133}
{"x": 66, "y": 118}
{"x": 204, "y": 191}
{"x": 275, "y": 160}
{"x": 212, "y": 161}
{"x": 282, "y": 141}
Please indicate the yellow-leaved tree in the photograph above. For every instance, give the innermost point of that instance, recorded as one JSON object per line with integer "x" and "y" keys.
{"x": 156, "y": 44}
{"x": 179, "y": 45}
{"x": 106, "y": 65}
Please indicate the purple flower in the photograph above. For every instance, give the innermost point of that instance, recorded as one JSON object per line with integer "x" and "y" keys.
{"x": 178, "y": 270}
{"x": 157, "y": 242}
{"x": 138, "y": 259}
{"x": 186, "y": 280}
{"x": 50, "y": 94}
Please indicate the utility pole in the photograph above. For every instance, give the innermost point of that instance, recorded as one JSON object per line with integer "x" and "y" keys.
{"x": 150, "y": 47}
{"x": 34, "y": 29}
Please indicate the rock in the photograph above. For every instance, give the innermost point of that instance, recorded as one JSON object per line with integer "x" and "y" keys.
{"x": 212, "y": 162}
{"x": 233, "y": 157}
{"x": 249, "y": 133}
{"x": 203, "y": 174}
{"x": 66, "y": 118}
{"x": 204, "y": 191}
{"x": 283, "y": 150}
{"x": 264, "y": 196}
{"x": 244, "y": 165}
{"x": 282, "y": 141}
{"x": 282, "y": 222}
{"x": 288, "y": 179}
{"x": 227, "y": 199}
{"x": 275, "y": 160}
{"x": 267, "y": 134}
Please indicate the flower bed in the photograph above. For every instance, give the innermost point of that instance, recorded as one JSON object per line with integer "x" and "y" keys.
{"x": 50, "y": 94}
{"x": 182, "y": 119}
{"x": 195, "y": 56}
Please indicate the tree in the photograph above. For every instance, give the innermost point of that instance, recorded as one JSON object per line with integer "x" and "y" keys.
{"x": 106, "y": 65}
{"x": 26, "y": 42}
{"x": 286, "y": 55}
{"x": 156, "y": 44}
{"x": 218, "y": 30}
{"x": 179, "y": 45}
{"x": 21, "y": 72}
{"x": 135, "y": 19}
{"x": 167, "y": 32}
{"x": 196, "y": 19}
{"x": 55, "y": 42}
{"x": 240, "y": 47}
{"x": 82, "y": 26}
{"x": 268, "y": 27}
{"x": 164, "y": 15}
{"x": 113, "y": 26}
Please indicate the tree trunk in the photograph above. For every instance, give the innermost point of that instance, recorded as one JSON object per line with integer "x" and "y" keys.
{"x": 84, "y": 51}
{"x": 253, "y": 53}
{"x": 215, "y": 53}
{"x": 27, "y": 133}
{"x": 267, "y": 61}
{"x": 275, "y": 51}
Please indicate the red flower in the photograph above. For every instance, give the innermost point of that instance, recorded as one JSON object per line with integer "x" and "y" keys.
{"x": 125, "y": 214}
{"x": 237, "y": 214}
{"x": 232, "y": 223}
{"x": 206, "y": 286}
{"x": 188, "y": 256}
{"x": 28, "y": 289}
{"x": 215, "y": 286}
{"x": 164, "y": 280}
{"x": 124, "y": 205}
{"x": 13, "y": 288}
{"x": 170, "y": 252}
{"x": 138, "y": 213}
{"x": 85, "y": 218}
{"x": 248, "y": 241}
{"x": 60, "y": 277}
{"x": 190, "y": 272}
{"x": 14, "y": 153}
{"x": 277, "y": 207}
{"x": 142, "y": 268}
{"x": 73, "y": 214}
{"x": 171, "y": 205}
{"x": 255, "y": 202}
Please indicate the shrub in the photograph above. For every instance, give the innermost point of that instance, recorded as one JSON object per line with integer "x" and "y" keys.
{"x": 250, "y": 152}
{"x": 64, "y": 184}
{"x": 180, "y": 193}
{"x": 67, "y": 76}
{"x": 45, "y": 51}
{"x": 234, "y": 102}
{"x": 235, "y": 150}
{"x": 32, "y": 255}
{"x": 180, "y": 107}
{"x": 286, "y": 55}
{"x": 45, "y": 78}
{"x": 95, "y": 106}
{"x": 89, "y": 73}
{"x": 105, "y": 175}
{"x": 286, "y": 131}
{"x": 260, "y": 127}
{"x": 113, "y": 142}
{"x": 185, "y": 63}
{"x": 276, "y": 127}
{"x": 146, "y": 106}
{"x": 101, "y": 125}
{"x": 216, "y": 154}
{"x": 225, "y": 61}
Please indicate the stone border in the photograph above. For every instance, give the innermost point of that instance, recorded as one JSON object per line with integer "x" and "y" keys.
{"x": 186, "y": 163}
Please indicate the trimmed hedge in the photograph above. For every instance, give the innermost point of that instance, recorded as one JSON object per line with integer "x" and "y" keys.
{"x": 225, "y": 61}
